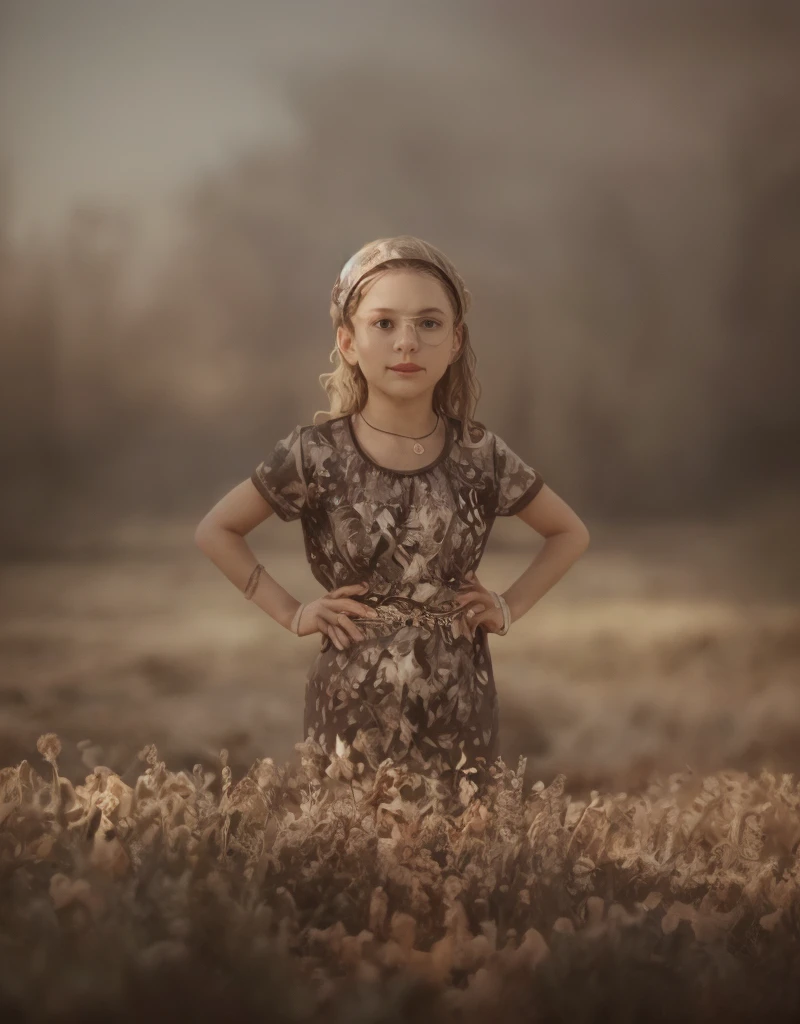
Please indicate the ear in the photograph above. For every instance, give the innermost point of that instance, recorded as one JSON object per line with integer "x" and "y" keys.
{"x": 344, "y": 342}
{"x": 458, "y": 342}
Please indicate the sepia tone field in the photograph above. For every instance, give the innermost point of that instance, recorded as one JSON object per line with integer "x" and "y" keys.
{"x": 638, "y": 843}
{"x": 663, "y": 647}
{"x": 619, "y": 183}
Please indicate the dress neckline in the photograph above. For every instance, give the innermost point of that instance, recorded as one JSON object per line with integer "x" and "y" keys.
{"x": 448, "y": 443}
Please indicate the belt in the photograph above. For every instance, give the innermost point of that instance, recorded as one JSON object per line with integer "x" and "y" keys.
{"x": 399, "y": 612}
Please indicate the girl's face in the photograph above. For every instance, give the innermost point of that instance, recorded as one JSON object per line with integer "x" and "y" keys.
{"x": 404, "y": 316}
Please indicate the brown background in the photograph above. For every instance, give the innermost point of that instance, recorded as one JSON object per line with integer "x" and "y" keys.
{"x": 620, "y": 188}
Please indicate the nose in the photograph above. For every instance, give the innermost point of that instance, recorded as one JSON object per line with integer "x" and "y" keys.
{"x": 406, "y": 336}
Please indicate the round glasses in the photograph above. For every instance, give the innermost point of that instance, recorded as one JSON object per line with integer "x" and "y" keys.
{"x": 429, "y": 330}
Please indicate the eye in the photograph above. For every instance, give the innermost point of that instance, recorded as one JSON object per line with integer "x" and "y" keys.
{"x": 427, "y": 320}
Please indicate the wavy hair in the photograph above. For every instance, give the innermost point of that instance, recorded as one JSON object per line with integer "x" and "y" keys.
{"x": 456, "y": 393}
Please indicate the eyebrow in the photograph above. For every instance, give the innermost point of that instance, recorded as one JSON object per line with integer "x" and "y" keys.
{"x": 429, "y": 309}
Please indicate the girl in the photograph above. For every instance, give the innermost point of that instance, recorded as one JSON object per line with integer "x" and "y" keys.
{"x": 396, "y": 491}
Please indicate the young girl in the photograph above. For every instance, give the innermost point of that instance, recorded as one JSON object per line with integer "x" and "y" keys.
{"x": 396, "y": 491}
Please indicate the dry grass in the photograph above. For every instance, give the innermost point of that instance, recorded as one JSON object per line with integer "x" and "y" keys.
{"x": 314, "y": 890}
{"x": 639, "y": 863}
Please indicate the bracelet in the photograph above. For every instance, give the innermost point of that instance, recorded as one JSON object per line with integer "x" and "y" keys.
{"x": 501, "y": 603}
{"x": 506, "y": 615}
{"x": 296, "y": 620}
{"x": 250, "y": 589}
{"x": 252, "y": 583}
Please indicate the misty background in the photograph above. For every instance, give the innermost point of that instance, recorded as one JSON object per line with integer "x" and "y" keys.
{"x": 180, "y": 183}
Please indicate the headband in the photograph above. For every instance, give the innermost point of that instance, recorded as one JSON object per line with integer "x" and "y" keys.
{"x": 384, "y": 250}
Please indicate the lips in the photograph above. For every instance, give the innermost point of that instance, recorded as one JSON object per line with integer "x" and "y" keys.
{"x": 400, "y": 368}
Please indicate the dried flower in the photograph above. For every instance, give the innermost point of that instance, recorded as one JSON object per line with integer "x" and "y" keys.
{"x": 49, "y": 746}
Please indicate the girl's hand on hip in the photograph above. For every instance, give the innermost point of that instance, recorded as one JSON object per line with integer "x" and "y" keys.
{"x": 479, "y": 604}
{"x": 330, "y": 615}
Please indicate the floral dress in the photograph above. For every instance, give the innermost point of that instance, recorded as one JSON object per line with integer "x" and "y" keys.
{"x": 418, "y": 688}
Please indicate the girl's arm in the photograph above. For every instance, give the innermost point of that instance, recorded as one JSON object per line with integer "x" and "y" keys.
{"x": 566, "y": 539}
{"x": 220, "y": 535}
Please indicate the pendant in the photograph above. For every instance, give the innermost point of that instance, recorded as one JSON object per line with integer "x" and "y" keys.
{"x": 418, "y": 448}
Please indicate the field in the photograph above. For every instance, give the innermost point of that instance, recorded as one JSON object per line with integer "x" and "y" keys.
{"x": 645, "y": 842}
{"x": 663, "y": 647}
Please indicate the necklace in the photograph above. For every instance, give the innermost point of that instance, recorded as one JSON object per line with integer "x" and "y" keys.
{"x": 417, "y": 447}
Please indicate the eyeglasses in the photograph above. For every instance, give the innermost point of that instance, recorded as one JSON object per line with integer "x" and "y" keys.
{"x": 429, "y": 330}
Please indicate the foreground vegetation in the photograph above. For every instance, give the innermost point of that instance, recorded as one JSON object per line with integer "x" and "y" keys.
{"x": 312, "y": 891}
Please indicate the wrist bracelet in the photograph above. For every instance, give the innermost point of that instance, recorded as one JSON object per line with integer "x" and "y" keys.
{"x": 503, "y": 604}
{"x": 252, "y": 583}
{"x": 500, "y": 602}
{"x": 296, "y": 620}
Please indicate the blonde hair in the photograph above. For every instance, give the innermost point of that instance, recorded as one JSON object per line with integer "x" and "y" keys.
{"x": 456, "y": 393}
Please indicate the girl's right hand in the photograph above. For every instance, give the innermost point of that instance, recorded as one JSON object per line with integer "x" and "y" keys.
{"x": 330, "y": 615}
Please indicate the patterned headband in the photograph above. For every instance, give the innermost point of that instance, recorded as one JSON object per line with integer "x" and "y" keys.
{"x": 400, "y": 247}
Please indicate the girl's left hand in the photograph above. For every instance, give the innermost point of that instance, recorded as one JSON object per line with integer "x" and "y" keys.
{"x": 481, "y": 609}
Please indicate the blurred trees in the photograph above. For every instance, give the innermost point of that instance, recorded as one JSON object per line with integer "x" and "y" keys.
{"x": 636, "y": 301}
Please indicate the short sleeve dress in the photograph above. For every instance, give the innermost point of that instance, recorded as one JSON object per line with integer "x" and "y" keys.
{"x": 417, "y": 689}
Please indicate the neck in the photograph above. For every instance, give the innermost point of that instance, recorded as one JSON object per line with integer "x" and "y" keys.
{"x": 412, "y": 417}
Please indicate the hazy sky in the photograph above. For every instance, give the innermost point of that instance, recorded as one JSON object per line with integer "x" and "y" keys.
{"x": 127, "y": 99}
{"x": 124, "y": 99}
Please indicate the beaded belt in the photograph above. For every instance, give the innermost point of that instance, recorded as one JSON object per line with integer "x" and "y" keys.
{"x": 394, "y": 616}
